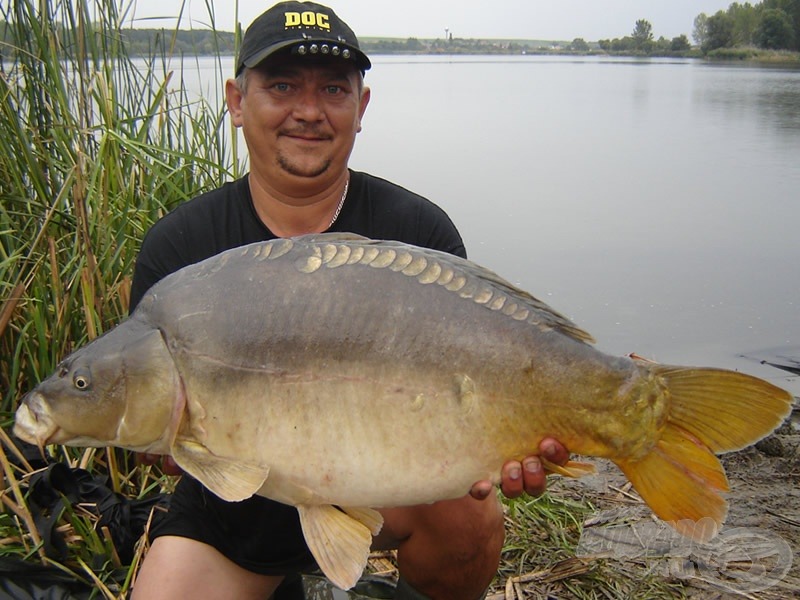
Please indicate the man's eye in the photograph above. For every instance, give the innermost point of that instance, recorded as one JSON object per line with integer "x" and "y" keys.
{"x": 281, "y": 87}
{"x": 334, "y": 89}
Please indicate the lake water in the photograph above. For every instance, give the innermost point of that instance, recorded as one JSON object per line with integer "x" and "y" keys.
{"x": 654, "y": 202}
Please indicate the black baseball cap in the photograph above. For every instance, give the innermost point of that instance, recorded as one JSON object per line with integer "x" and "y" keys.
{"x": 306, "y": 28}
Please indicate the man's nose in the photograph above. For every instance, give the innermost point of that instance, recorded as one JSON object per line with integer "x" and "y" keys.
{"x": 308, "y": 106}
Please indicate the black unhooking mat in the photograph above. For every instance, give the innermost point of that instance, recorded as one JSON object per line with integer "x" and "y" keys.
{"x": 59, "y": 486}
{"x": 53, "y": 489}
{"x": 21, "y": 580}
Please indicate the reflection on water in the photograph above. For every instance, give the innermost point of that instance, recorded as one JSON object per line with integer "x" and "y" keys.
{"x": 654, "y": 201}
{"x": 765, "y": 95}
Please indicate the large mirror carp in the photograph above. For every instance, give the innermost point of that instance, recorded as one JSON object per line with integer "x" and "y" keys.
{"x": 339, "y": 374}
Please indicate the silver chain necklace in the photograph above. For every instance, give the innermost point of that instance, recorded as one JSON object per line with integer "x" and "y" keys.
{"x": 341, "y": 203}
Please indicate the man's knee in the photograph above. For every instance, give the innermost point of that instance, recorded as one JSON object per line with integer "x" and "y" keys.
{"x": 477, "y": 530}
{"x": 177, "y": 567}
{"x": 472, "y": 519}
{"x": 458, "y": 541}
{"x": 461, "y": 522}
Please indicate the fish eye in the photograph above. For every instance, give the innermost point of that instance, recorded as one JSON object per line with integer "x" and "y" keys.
{"x": 81, "y": 380}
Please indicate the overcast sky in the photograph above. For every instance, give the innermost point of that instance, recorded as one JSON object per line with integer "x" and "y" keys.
{"x": 526, "y": 19}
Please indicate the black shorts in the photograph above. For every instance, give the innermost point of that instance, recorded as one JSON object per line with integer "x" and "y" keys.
{"x": 258, "y": 534}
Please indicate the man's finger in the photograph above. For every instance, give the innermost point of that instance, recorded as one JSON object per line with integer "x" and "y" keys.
{"x": 535, "y": 479}
{"x": 554, "y": 451}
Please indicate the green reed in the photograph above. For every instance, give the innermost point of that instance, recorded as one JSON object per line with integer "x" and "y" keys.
{"x": 95, "y": 145}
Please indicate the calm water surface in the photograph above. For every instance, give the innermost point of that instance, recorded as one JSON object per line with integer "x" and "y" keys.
{"x": 656, "y": 203}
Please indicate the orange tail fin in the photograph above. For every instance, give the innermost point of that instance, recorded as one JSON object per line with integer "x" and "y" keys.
{"x": 711, "y": 411}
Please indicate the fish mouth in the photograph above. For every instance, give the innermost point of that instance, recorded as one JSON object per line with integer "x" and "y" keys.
{"x": 33, "y": 424}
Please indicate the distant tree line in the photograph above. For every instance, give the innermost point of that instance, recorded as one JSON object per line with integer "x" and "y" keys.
{"x": 199, "y": 42}
{"x": 455, "y": 45}
{"x": 148, "y": 42}
{"x": 143, "y": 42}
{"x": 641, "y": 41}
{"x": 770, "y": 24}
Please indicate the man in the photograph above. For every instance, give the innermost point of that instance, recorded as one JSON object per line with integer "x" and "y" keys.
{"x": 299, "y": 98}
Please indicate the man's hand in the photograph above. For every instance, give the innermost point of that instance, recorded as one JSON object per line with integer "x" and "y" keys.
{"x": 168, "y": 466}
{"x": 528, "y": 476}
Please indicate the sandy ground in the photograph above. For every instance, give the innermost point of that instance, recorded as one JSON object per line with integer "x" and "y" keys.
{"x": 757, "y": 552}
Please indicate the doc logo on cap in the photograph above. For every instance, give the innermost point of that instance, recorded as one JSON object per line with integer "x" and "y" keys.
{"x": 306, "y": 28}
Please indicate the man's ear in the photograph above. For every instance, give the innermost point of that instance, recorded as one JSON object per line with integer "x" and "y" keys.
{"x": 234, "y": 97}
{"x": 365, "y": 96}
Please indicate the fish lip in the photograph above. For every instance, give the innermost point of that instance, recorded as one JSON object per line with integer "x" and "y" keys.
{"x": 32, "y": 424}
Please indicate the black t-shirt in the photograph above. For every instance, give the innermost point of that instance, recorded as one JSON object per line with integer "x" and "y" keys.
{"x": 226, "y": 218}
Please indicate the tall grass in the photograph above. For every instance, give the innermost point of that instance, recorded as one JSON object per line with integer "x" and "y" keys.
{"x": 95, "y": 145}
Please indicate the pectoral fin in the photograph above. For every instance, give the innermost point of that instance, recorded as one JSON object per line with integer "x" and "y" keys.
{"x": 571, "y": 468}
{"x": 338, "y": 541}
{"x": 231, "y": 480}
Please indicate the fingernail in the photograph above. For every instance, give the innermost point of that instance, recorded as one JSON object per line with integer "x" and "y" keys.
{"x": 549, "y": 450}
{"x": 532, "y": 465}
{"x": 514, "y": 473}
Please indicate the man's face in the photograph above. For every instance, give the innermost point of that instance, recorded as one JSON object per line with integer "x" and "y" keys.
{"x": 299, "y": 116}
